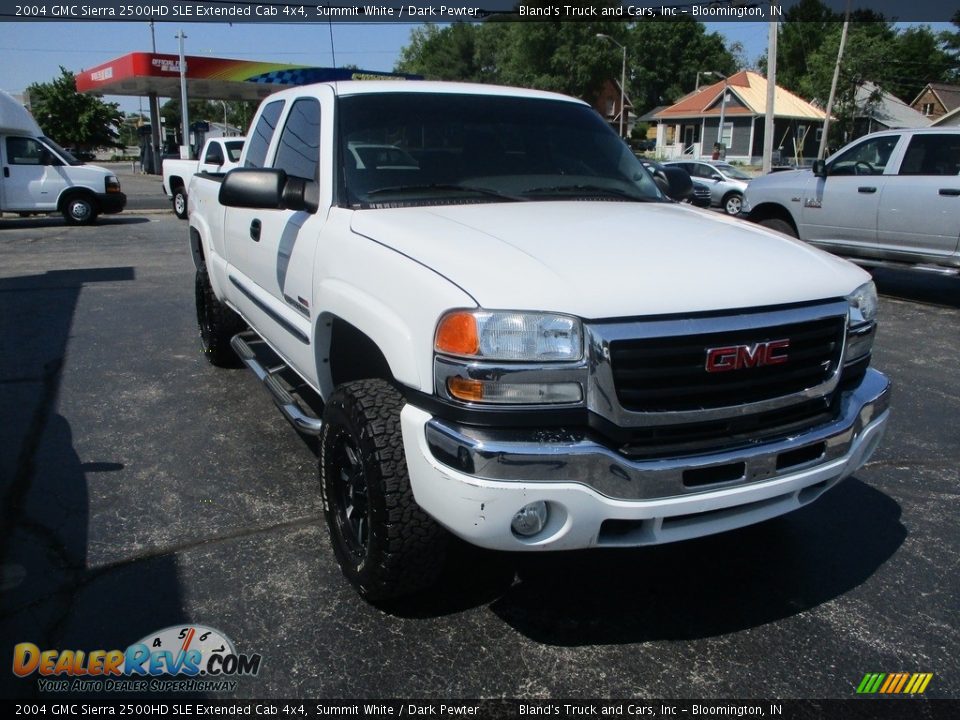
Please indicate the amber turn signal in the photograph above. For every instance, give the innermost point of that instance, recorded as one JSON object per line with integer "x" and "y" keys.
{"x": 457, "y": 334}
{"x": 466, "y": 390}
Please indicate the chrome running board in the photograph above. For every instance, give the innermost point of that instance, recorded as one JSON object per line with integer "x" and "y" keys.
{"x": 302, "y": 420}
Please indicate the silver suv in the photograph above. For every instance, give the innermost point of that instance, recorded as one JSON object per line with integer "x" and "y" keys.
{"x": 726, "y": 182}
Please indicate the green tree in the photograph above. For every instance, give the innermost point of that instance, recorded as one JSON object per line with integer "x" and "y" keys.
{"x": 665, "y": 57}
{"x": 73, "y": 119}
{"x": 921, "y": 56}
{"x": 570, "y": 58}
{"x": 450, "y": 53}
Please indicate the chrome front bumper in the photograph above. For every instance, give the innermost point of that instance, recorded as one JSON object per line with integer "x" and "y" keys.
{"x": 546, "y": 456}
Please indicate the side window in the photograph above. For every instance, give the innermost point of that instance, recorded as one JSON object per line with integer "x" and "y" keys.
{"x": 299, "y": 150}
{"x": 932, "y": 155}
{"x": 262, "y": 134}
{"x": 24, "y": 151}
{"x": 705, "y": 171}
{"x": 868, "y": 158}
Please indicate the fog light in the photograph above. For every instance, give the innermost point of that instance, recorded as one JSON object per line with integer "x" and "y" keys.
{"x": 530, "y": 519}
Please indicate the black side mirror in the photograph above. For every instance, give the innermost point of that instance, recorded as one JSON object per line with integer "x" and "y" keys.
{"x": 675, "y": 183}
{"x": 268, "y": 189}
{"x": 253, "y": 188}
{"x": 819, "y": 168}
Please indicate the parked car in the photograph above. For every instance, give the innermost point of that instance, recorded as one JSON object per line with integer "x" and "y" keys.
{"x": 726, "y": 182}
{"x": 889, "y": 197}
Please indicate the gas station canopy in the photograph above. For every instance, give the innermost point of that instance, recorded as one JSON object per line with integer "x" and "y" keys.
{"x": 143, "y": 73}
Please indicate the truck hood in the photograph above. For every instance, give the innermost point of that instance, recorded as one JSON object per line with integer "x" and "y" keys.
{"x": 608, "y": 259}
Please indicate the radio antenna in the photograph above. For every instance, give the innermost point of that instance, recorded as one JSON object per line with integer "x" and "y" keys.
{"x": 333, "y": 50}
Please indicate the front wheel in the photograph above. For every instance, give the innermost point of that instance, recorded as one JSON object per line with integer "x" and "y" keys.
{"x": 79, "y": 210}
{"x": 781, "y": 226}
{"x": 385, "y": 544}
{"x": 733, "y": 204}
{"x": 180, "y": 203}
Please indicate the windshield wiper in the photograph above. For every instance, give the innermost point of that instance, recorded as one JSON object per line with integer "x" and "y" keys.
{"x": 444, "y": 187}
{"x": 593, "y": 190}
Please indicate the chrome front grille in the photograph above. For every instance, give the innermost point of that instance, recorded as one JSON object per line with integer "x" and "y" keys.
{"x": 670, "y": 373}
{"x": 652, "y": 372}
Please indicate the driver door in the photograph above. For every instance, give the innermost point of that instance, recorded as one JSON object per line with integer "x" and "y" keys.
{"x": 841, "y": 209}
{"x": 32, "y": 178}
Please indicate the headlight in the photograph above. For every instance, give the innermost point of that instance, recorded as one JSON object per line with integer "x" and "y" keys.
{"x": 499, "y": 357}
{"x": 112, "y": 184}
{"x": 861, "y": 322}
{"x": 510, "y": 336}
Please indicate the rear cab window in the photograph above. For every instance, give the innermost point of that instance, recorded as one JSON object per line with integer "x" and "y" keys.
{"x": 936, "y": 155}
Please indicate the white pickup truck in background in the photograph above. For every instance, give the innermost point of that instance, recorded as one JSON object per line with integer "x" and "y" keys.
{"x": 888, "y": 198}
{"x": 219, "y": 155}
{"x": 513, "y": 337}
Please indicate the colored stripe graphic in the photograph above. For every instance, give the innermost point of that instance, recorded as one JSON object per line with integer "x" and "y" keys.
{"x": 894, "y": 683}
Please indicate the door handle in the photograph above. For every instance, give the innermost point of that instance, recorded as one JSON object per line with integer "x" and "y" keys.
{"x": 866, "y": 189}
{"x": 255, "y": 231}
{"x": 950, "y": 192}
{"x": 6, "y": 172}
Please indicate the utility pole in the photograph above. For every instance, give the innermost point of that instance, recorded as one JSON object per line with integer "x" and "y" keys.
{"x": 154, "y": 116}
{"x": 768, "y": 119}
{"x": 833, "y": 85}
{"x": 184, "y": 112}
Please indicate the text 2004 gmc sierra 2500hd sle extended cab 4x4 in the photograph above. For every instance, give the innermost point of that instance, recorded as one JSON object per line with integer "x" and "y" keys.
{"x": 515, "y": 337}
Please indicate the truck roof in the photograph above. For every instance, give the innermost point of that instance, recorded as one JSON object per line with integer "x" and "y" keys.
{"x": 364, "y": 87}
{"x": 15, "y": 118}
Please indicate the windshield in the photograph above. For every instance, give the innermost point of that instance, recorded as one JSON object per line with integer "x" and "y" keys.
{"x": 431, "y": 148}
{"x": 64, "y": 154}
{"x": 234, "y": 149}
{"x": 731, "y": 171}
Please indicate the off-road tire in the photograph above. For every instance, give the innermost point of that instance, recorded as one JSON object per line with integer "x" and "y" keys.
{"x": 217, "y": 323}
{"x": 362, "y": 465}
{"x": 781, "y": 226}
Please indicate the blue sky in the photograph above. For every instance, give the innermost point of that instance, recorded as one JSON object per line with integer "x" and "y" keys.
{"x": 33, "y": 51}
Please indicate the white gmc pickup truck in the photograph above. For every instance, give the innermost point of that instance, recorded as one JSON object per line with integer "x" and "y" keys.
{"x": 510, "y": 335}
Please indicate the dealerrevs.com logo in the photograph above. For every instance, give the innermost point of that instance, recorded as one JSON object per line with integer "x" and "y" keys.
{"x": 192, "y": 658}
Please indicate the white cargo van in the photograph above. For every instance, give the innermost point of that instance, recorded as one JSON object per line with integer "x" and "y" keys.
{"x": 39, "y": 176}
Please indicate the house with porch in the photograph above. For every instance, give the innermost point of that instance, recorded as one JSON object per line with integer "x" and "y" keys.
{"x": 691, "y": 127}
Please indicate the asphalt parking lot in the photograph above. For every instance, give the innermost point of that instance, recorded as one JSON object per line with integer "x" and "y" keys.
{"x": 143, "y": 488}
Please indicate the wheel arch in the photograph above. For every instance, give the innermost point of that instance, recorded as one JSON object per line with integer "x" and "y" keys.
{"x": 77, "y": 191}
{"x": 773, "y": 211}
{"x": 346, "y": 353}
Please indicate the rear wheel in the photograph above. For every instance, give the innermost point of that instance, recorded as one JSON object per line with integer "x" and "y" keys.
{"x": 385, "y": 544}
{"x": 781, "y": 226}
{"x": 180, "y": 202}
{"x": 217, "y": 323}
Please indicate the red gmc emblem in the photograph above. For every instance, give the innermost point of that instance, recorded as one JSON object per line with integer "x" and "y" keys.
{"x": 736, "y": 357}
